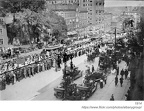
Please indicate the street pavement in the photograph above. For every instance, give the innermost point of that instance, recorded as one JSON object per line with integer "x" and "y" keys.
{"x": 28, "y": 88}
{"x": 47, "y": 93}
{"x": 41, "y": 86}
{"x": 110, "y": 88}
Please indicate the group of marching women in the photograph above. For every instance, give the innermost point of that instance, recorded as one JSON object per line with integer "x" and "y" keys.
{"x": 19, "y": 68}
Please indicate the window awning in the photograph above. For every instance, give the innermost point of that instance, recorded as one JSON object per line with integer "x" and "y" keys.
{"x": 71, "y": 33}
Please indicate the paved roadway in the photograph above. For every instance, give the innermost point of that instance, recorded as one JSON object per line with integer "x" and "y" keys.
{"x": 105, "y": 93}
{"x": 29, "y": 87}
{"x": 47, "y": 93}
{"x": 41, "y": 86}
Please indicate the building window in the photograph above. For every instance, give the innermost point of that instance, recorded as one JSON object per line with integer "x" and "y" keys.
{"x": 83, "y": 0}
{"x": 83, "y": 4}
{"x": 99, "y": 4}
{"x": 1, "y": 31}
{"x": 1, "y": 41}
{"x": 96, "y": 3}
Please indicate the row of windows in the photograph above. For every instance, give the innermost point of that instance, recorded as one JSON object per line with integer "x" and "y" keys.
{"x": 87, "y": 4}
{"x": 1, "y": 41}
{"x": 97, "y": 4}
{"x": 63, "y": 1}
{"x": 85, "y": 0}
{"x": 70, "y": 21}
{"x": 100, "y": 3}
{"x": 99, "y": 11}
{"x": 100, "y": 19}
{"x": 1, "y": 31}
{"x": 66, "y": 15}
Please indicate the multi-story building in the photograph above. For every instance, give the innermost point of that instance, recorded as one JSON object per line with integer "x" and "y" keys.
{"x": 62, "y": 1}
{"x": 68, "y": 10}
{"x": 95, "y": 15}
{"x": 107, "y": 21}
{"x": 82, "y": 22}
{"x": 135, "y": 13}
{"x": 3, "y": 33}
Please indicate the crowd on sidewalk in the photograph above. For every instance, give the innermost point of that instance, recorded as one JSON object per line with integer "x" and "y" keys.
{"x": 11, "y": 72}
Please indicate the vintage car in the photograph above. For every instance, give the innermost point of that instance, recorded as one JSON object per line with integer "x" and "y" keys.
{"x": 67, "y": 90}
{"x": 104, "y": 61}
{"x": 87, "y": 89}
{"x": 76, "y": 92}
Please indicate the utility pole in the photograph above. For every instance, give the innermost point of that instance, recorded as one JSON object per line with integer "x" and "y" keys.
{"x": 115, "y": 37}
{"x": 115, "y": 45}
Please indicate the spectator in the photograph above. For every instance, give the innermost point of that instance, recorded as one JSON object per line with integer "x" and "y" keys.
{"x": 92, "y": 68}
{"x": 122, "y": 73}
{"x": 116, "y": 80}
{"x": 112, "y": 98}
{"x": 121, "y": 81}
{"x": 126, "y": 73}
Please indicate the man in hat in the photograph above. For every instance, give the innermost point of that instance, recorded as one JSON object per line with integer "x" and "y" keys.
{"x": 92, "y": 68}
{"x": 112, "y": 98}
{"x": 121, "y": 81}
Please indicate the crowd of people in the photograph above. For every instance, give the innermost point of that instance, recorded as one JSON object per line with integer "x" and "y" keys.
{"x": 126, "y": 54}
{"x": 27, "y": 66}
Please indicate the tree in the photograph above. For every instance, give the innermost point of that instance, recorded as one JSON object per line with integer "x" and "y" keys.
{"x": 137, "y": 72}
{"x": 14, "y": 6}
{"x": 31, "y": 20}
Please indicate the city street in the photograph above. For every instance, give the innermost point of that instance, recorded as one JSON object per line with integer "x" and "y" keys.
{"x": 41, "y": 86}
{"x": 47, "y": 93}
{"x": 29, "y": 87}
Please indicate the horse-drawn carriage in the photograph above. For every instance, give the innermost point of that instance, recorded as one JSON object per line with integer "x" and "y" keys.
{"x": 71, "y": 91}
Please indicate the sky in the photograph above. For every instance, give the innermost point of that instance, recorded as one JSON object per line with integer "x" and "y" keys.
{"x": 115, "y": 3}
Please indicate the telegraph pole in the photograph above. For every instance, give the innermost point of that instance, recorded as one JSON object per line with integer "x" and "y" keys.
{"x": 115, "y": 45}
{"x": 115, "y": 37}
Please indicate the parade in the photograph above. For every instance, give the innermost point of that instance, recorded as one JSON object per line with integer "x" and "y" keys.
{"x": 27, "y": 66}
{"x": 70, "y": 50}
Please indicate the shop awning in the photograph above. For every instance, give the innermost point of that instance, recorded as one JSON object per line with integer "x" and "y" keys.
{"x": 71, "y": 33}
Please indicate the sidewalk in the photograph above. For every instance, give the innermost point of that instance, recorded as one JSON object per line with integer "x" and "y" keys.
{"x": 105, "y": 93}
{"x": 47, "y": 92}
{"x": 110, "y": 88}
{"x": 28, "y": 88}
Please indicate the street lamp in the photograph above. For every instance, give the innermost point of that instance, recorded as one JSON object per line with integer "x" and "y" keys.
{"x": 65, "y": 56}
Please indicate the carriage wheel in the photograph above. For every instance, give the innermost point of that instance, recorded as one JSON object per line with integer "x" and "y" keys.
{"x": 59, "y": 95}
{"x": 69, "y": 89}
{"x": 83, "y": 95}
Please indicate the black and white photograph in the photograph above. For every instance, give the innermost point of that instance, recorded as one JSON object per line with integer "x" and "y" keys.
{"x": 71, "y": 50}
